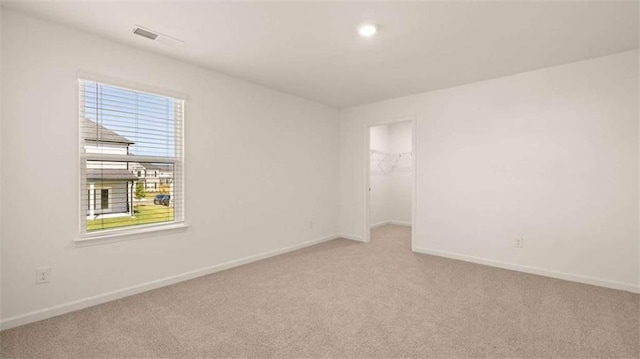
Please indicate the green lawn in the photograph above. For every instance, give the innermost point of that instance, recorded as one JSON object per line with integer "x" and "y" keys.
{"x": 151, "y": 195}
{"x": 143, "y": 215}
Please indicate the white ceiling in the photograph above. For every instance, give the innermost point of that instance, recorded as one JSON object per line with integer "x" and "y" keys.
{"x": 312, "y": 49}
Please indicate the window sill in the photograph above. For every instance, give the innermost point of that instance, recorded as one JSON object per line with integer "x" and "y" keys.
{"x": 120, "y": 234}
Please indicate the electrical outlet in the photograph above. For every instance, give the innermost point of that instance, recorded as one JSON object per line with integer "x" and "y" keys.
{"x": 519, "y": 242}
{"x": 43, "y": 275}
{"x": 310, "y": 224}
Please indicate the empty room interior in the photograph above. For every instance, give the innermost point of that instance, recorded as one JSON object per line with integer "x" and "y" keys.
{"x": 438, "y": 179}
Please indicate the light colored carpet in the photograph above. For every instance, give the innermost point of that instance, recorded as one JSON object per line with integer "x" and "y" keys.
{"x": 346, "y": 299}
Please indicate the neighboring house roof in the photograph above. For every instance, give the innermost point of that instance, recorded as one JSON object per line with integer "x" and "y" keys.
{"x": 97, "y": 174}
{"x": 166, "y": 167}
{"x": 150, "y": 166}
{"x": 93, "y": 131}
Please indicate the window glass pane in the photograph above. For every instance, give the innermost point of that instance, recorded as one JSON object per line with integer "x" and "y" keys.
{"x": 114, "y": 116}
{"x": 117, "y": 197}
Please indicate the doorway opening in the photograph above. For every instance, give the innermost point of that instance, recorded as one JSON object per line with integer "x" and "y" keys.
{"x": 390, "y": 173}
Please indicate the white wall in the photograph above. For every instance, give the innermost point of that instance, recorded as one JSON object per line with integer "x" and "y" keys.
{"x": 378, "y": 178}
{"x": 549, "y": 155}
{"x": 400, "y": 177}
{"x": 260, "y": 164}
{"x": 1, "y": 164}
{"x": 390, "y": 197}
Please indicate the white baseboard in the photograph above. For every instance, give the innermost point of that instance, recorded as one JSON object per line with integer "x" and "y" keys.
{"x": 351, "y": 237}
{"x": 121, "y": 293}
{"x": 629, "y": 287}
{"x": 397, "y": 223}
{"x": 400, "y": 223}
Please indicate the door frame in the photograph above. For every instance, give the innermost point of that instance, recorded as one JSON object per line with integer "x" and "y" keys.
{"x": 367, "y": 175}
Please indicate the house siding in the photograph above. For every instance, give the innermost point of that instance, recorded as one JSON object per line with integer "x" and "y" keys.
{"x": 117, "y": 199}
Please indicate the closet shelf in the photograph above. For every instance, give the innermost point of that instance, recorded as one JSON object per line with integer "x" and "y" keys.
{"x": 389, "y": 159}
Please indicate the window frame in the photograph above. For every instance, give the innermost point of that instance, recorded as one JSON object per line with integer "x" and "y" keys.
{"x": 177, "y": 161}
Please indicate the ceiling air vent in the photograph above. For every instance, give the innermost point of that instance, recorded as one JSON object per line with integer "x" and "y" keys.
{"x": 156, "y": 36}
{"x": 145, "y": 33}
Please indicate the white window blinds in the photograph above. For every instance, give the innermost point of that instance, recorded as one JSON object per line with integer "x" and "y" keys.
{"x": 131, "y": 151}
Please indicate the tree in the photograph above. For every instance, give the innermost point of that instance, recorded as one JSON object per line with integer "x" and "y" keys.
{"x": 164, "y": 188}
{"x": 140, "y": 193}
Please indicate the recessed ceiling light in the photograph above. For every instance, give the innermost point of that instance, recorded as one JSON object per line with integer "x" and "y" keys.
{"x": 367, "y": 30}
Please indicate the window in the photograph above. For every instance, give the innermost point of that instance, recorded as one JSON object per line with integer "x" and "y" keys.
{"x": 104, "y": 199}
{"x": 123, "y": 134}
